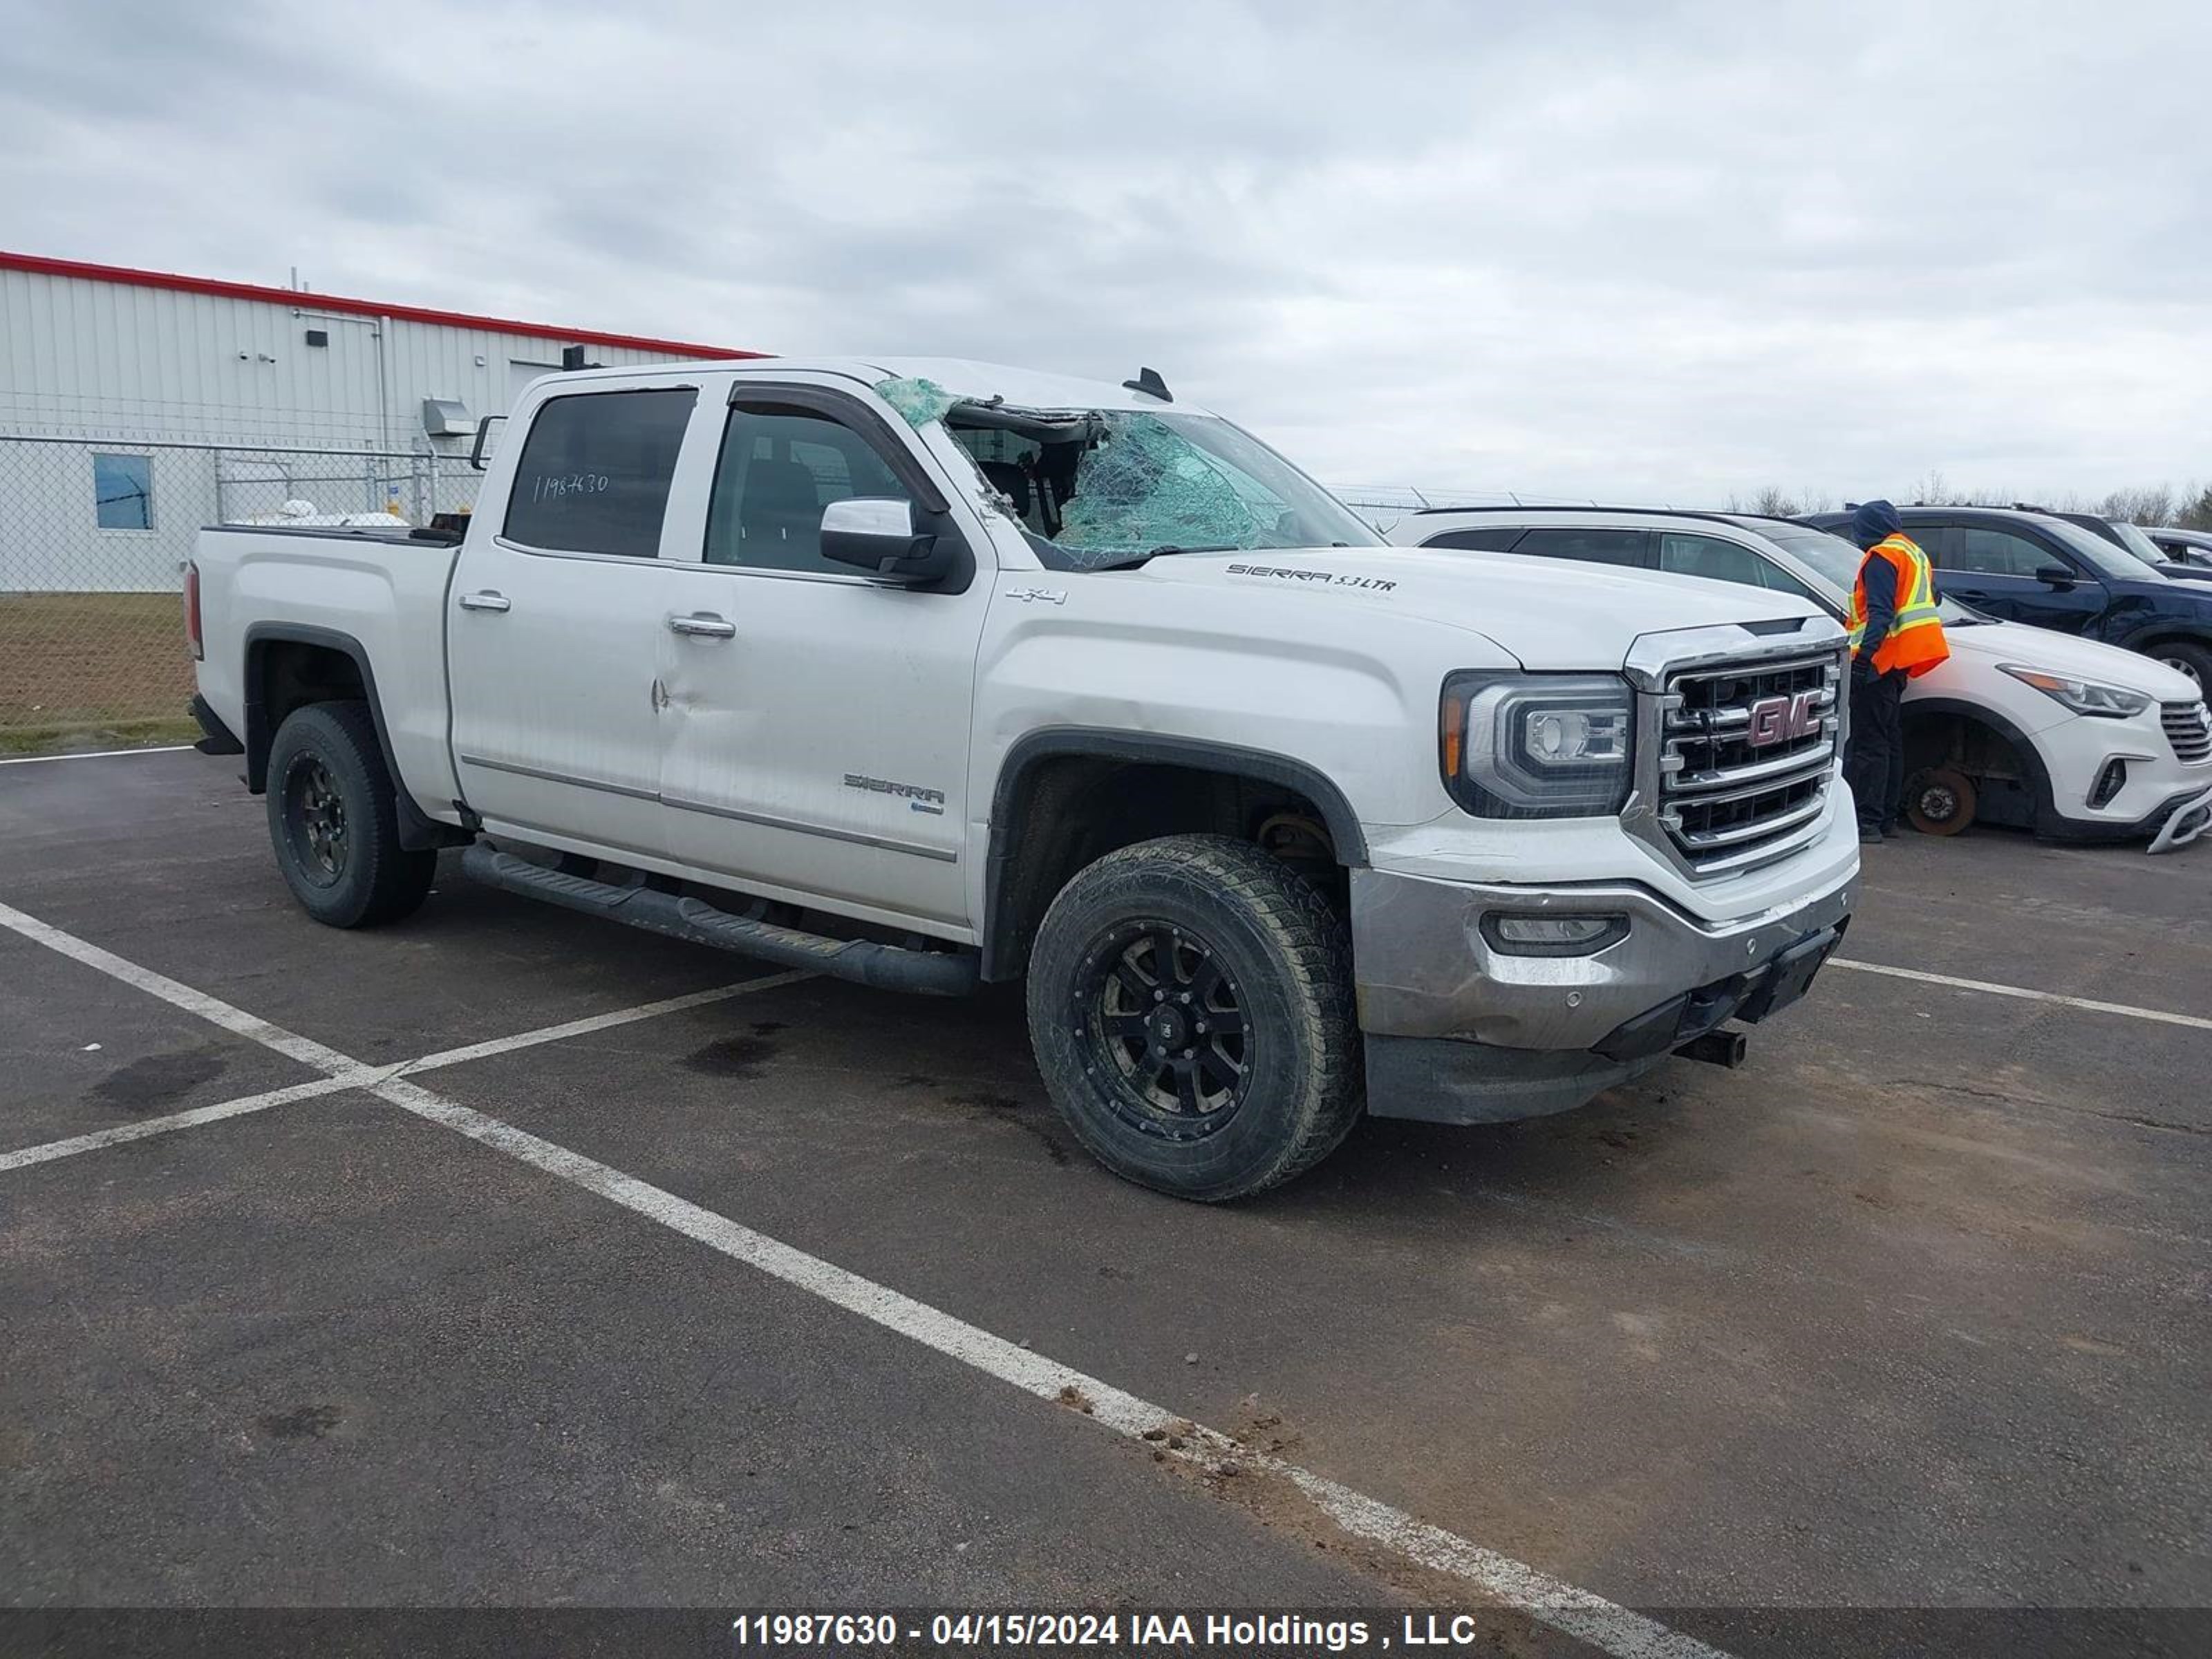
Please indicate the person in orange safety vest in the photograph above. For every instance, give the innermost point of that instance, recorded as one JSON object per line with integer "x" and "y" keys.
{"x": 1896, "y": 635}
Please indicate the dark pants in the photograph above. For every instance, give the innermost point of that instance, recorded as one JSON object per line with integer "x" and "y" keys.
{"x": 1874, "y": 764}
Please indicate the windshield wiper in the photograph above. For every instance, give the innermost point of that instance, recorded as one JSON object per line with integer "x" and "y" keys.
{"x": 1160, "y": 552}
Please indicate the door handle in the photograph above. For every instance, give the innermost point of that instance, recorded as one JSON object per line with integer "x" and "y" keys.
{"x": 703, "y": 624}
{"x": 485, "y": 601}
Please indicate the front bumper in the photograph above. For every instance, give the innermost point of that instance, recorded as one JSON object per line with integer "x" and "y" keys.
{"x": 1425, "y": 968}
{"x": 1460, "y": 1031}
{"x": 2185, "y": 820}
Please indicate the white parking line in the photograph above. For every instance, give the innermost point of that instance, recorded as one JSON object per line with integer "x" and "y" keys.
{"x": 592, "y": 1023}
{"x": 96, "y": 754}
{"x": 47, "y": 1151}
{"x": 1590, "y": 1618}
{"x": 342, "y": 1072}
{"x": 237, "y": 1021}
{"x": 2195, "y": 1022}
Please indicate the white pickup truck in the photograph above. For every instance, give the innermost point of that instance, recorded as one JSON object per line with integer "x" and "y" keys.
{"x": 929, "y": 673}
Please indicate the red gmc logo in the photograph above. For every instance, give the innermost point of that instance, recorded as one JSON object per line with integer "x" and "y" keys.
{"x": 1778, "y": 720}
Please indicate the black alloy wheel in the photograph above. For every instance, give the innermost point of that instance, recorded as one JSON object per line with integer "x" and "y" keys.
{"x": 1166, "y": 1020}
{"x": 315, "y": 814}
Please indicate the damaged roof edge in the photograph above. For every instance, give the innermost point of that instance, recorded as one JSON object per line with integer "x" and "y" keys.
{"x": 920, "y": 401}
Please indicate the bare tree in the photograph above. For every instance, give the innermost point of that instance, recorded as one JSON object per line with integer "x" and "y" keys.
{"x": 2153, "y": 505}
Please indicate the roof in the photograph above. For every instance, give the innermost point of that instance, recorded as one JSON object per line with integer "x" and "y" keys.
{"x": 965, "y": 379}
{"x": 1923, "y": 508}
{"x": 1741, "y": 521}
{"x": 38, "y": 265}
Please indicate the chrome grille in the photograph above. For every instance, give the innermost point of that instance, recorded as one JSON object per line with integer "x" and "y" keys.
{"x": 2188, "y": 729}
{"x": 1746, "y": 753}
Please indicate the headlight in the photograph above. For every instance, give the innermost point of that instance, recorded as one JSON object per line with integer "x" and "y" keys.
{"x": 2083, "y": 696}
{"x": 1536, "y": 745}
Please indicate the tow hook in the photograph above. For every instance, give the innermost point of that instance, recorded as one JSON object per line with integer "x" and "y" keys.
{"x": 1716, "y": 1049}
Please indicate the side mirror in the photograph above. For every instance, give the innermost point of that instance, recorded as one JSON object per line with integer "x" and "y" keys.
{"x": 2058, "y": 575}
{"x": 877, "y": 534}
{"x": 479, "y": 451}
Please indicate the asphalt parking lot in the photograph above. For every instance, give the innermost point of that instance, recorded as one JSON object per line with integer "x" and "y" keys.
{"x": 791, "y": 1293}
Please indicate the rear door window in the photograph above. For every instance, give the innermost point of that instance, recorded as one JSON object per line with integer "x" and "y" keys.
{"x": 594, "y": 472}
{"x": 1622, "y": 547}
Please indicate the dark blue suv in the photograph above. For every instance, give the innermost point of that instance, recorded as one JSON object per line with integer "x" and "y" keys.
{"x": 2035, "y": 568}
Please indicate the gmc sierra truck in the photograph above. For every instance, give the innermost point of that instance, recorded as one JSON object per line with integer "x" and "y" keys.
{"x": 926, "y": 674}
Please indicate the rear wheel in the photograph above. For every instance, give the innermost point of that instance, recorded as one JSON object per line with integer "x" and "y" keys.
{"x": 334, "y": 820}
{"x": 1190, "y": 1005}
{"x": 1940, "y": 801}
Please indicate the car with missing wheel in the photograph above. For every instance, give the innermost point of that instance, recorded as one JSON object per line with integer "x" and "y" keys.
{"x": 2021, "y": 727}
{"x": 926, "y": 674}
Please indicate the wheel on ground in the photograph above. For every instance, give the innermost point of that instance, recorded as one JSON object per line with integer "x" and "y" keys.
{"x": 1940, "y": 801}
{"x": 1190, "y": 1003}
{"x": 2184, "y": 658}
{"x": 334, "y": 820}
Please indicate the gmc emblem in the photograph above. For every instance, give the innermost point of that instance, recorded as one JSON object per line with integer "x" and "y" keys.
{"x": 1778, "y": 720}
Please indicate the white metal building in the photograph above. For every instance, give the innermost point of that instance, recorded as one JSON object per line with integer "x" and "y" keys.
{"x": 136, "y": 406}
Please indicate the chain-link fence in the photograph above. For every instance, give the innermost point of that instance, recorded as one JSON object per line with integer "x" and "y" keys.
{"x": 93, "y": 538}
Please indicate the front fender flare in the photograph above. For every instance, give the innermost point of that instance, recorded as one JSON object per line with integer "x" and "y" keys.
{"x": 1000, "y": 946}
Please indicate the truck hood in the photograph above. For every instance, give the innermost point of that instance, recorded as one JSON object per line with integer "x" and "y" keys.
{"x": 2078, "y": 658}
{"x": 1582, "y": 616}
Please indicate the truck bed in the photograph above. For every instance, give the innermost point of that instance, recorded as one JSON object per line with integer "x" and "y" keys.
{"x": 378, "y": 595}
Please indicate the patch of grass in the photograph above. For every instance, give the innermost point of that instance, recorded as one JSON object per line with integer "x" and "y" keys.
{"x": 89, "y": 671}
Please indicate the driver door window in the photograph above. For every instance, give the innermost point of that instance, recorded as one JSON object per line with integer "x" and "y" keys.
{"x": 776, "y": 472}
{"x": 1713, "y": 559}
{"x": 1992, "y": 552}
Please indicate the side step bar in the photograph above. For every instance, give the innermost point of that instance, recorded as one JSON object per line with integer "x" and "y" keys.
{"x": 887, "y": 967}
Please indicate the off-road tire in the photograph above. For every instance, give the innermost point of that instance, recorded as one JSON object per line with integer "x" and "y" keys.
{"x": 331, "y": 748}
{"x": 1290, "y": 962}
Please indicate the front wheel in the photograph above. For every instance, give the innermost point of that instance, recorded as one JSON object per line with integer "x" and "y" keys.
{"x": 334, "y": 820}
{"x": 1940, "y": 801}
{"x": 1190, "y": 1003}
{"x": 2184, "y": 658}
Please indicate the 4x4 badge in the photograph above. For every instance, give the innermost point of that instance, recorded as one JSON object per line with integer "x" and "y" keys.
{"x": 1049, "y": 595}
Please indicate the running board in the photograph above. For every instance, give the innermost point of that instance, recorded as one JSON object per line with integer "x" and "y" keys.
{"x": 887, "y": 967}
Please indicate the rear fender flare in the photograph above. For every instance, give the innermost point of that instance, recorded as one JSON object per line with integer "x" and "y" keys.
{"x": 416, "y": 830}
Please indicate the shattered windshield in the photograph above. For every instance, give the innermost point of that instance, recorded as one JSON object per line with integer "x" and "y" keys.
{"x": 1101, "y": 487}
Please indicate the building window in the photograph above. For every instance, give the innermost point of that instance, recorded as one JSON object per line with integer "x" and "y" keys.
{"x": 122, "y": 491}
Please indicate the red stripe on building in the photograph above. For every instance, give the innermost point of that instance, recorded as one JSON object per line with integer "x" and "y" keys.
{"x": 38, "y": 266}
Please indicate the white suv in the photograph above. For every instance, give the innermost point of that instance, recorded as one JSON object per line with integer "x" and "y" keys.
{"x": 2022, "y": 725}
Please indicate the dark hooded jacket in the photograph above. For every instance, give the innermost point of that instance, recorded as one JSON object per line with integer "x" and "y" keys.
{"x": 1872, "y": 522}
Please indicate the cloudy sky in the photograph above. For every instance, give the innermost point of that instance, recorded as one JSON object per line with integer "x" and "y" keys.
{"x": 1645, "y": 250}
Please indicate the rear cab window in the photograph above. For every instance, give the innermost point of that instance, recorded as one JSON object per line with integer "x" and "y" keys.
{"x": 594, "y": 472}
